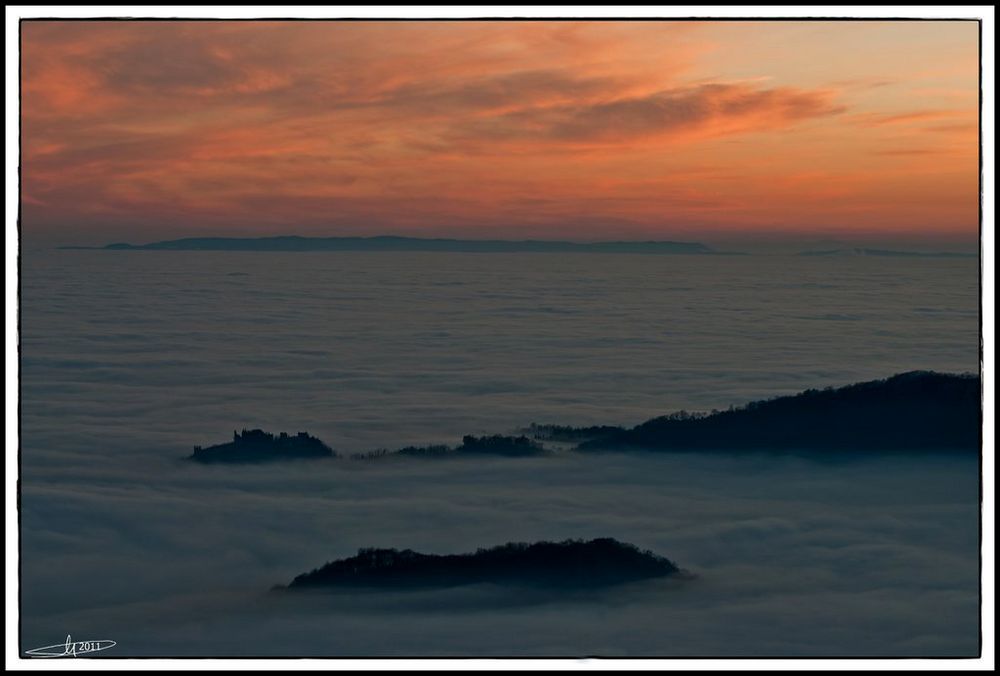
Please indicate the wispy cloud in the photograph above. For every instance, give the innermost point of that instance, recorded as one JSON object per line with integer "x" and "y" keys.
{"x": 176, "y": 127}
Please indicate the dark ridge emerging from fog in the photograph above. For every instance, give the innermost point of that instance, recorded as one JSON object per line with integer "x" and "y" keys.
{"x": 260, "y": 446}
{"x": 914, "y": 411}
{"x": 567, "y": 433}
{"x": 887, "y": 253}
{"x": 497, "y": 444}
{"x": 391, "y": 243}
{"x": 567, "y": 564}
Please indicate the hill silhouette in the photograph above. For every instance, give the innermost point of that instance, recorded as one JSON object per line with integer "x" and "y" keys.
{"x": 393, "y": 243}
{"x": 571, "y": 563}
{"x": 496, "y": 444}
{"x": 568, "y": 433}
{"x": 918, "y": 410}
{"x": 260, "y": 446}
{"x": 914, "y": 411}
{"x": 887, "y": 253}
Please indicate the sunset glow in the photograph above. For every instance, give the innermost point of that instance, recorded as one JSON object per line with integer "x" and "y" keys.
{"x": 140, "y": 131}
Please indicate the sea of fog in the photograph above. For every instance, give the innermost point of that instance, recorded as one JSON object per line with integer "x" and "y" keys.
{"x": 128, "y": 358}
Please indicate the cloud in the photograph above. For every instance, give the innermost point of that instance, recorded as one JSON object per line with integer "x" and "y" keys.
{"x": 169, "y": 127}
{"x": 171, "y": 63}
{"x": 509, "y": 91}
{"x": 957, "y": 128}
{"x": 129, "y": 360}
{"x": 873, "y": 557}
{"x": 707, "y": 109}
{"x": 877, "y": 120}
{"x": 911, "y": 151}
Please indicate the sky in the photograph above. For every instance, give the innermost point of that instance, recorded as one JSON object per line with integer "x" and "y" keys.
{"x": 837, "y": 131}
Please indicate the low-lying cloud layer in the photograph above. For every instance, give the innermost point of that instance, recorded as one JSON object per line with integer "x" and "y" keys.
{"x": 130, "y": 358}
{"x": 877, "y": 557}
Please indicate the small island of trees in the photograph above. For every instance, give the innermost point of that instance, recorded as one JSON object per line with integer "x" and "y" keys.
{"x": 570, "y": 563}
{"x": 260, "y": 446}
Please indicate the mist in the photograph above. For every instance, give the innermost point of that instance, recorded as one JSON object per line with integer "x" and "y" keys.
{"x": 129, "y": 359}
{"x": 869, "y": 557}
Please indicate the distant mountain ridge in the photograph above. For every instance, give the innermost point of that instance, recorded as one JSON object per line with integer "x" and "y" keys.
{"x": 394, "y": 243}
{"x": 887, "y": 253}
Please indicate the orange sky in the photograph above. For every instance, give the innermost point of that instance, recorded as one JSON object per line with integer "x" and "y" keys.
{"x": 857, "y": 131}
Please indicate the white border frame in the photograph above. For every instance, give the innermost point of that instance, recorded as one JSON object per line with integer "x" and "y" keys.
{"x": 988, "y": 261}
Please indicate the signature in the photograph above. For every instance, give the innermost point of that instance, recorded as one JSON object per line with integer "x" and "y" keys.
{"x": 71, "y": 648}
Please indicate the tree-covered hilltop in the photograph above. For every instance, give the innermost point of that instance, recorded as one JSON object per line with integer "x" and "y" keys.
{"x": 261, "y": 446}
{"x": 568, "y": 433}
{"x": 914, "y": 411}
{"x": 571, "y": 563}
{"x": 496, "y": 444}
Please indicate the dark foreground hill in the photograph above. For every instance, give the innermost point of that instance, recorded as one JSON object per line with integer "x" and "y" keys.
{"x": 567, "y": 564}
{"x": 260, "y": 446}
{"x": 914, "y": 411}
